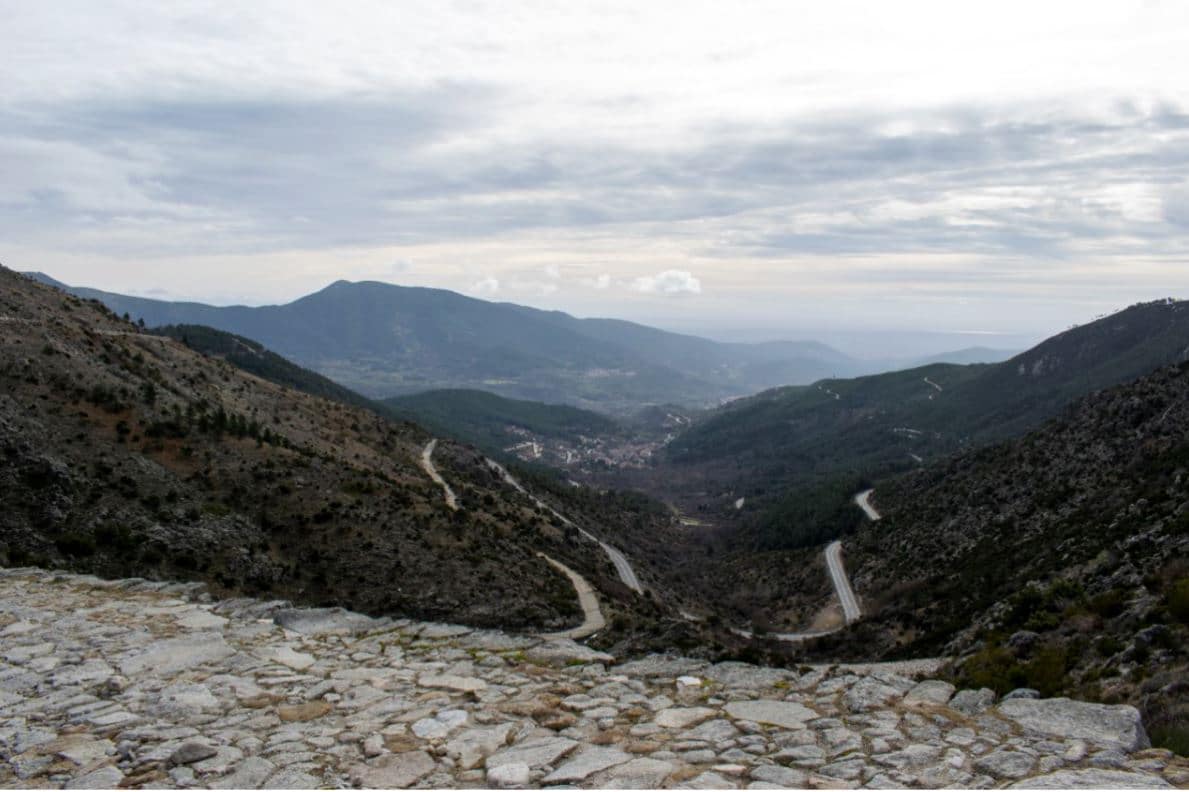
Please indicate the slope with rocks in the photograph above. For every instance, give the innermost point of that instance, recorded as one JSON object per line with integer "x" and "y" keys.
{"x": 125, "y": 453}
{"x": 1059, "y": 561}
{"x": 137, "y": 684}
{"x": 811, "y": 437}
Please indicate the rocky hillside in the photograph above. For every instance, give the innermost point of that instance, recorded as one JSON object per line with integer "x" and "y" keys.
{"x": 124, "y": 453}
{"x": 136, "y": 684}
{"x": 799, "y": 438}
{"x": 1058, "y": 561}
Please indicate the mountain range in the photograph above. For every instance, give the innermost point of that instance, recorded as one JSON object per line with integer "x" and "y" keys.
{"x": 771, "y": 446}
{"x": 383, "y": 340}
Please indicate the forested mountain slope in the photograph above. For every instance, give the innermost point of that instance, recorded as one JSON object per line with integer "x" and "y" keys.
{"x": 126, "y": 453}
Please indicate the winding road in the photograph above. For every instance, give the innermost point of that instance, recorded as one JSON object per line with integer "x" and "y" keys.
{"x": 593, "y": 620}
{"x": 851, "y": 611}
{"x": 622, "y": 567}
{"x": 863, "y": 499}
{"x": 428, "y": 466}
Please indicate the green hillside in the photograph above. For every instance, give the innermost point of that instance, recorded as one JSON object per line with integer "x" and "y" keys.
{"x": 491, "y": 421}
{"x": 808, "y": 438}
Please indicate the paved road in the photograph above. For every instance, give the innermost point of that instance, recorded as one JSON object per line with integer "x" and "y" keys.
{"x": 622, "y": 567}
{"x": 934, "y": 384}
{"x": 846, "y": 595}
{"x": 593, "y": 620}
{"x": 428, "y": 466}
{"x": 863, "y": 499}
{"x": 851, "y": 612}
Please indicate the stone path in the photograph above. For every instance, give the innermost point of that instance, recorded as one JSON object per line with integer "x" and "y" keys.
{"x": 131, "y": 683}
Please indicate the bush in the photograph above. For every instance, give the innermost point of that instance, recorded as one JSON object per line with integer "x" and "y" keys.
{"x": 1178, "y": 600}
{"x": 75, "y": 544}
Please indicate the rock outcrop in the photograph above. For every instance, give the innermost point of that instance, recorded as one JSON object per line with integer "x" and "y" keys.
{"x": 132, "y": 683}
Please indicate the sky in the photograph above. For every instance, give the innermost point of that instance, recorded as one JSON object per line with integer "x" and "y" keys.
{"x": 986, "y": 172}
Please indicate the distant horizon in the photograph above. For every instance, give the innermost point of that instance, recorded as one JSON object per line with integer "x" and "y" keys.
{"x": 916, "y": 167}
{"x": 856, "y": 342}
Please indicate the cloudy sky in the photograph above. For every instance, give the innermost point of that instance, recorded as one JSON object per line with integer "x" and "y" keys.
{"x": 742, "y": 169}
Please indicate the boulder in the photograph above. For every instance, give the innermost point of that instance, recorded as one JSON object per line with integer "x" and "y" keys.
{"x": 931, "y": 691}
{"x": 1101, "y": 724}
{"x": 1022, "y": 693}
{"x": 973, "y": 702}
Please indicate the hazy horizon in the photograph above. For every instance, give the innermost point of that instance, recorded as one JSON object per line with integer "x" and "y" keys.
{"x": 992, "y": 171}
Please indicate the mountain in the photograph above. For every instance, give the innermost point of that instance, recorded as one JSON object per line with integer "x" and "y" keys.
{"x": 762, "y": 445}
{"x": 126, "y": 453}
{"x": 1058, "y": 560}
{"x": 383, "y": 340}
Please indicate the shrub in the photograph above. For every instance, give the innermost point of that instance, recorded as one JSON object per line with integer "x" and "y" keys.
{"x": 75, "y": 544}
{"x": 1178, "y": 600}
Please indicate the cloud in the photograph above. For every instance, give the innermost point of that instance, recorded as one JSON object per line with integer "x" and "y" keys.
{"x": 488, "y": 285}
{"x": 668, "y": 282}
{"x": 600, "y": 282}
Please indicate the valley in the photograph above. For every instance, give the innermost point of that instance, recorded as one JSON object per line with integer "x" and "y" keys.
{"x": 1021, "y": 522}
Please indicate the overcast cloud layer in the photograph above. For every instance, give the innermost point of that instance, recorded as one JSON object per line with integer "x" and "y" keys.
{"x": 762, "y": 169}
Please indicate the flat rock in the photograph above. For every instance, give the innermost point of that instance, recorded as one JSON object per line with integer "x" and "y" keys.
{"x": 192, "y": 752}
{"x": 439, "y": 725}
{"x": 642, "y": 773}
{"x": 587, "y": 762}
{"x": 171, "y": 655}
{"x": 104, "y": 778}
{"x": 786, "y": 714}
{"x": 289, "y": 657}
{"x": 683, "y": 717}
{"x": 395, "y": 771}
{"x": 1102, "y": 724}
{"x": 201, "y": 620}
{"x": 436, "y": 631}
{"x": 1005, "y": 764}
{"x": 508, "y": 776}
{"x": 472, "y": 746}
{"x": 249, "y": 774}
{"x": 452, "y": 682}
{"x": 707, "y": 780}
{"x": 746, "y": 676}
{"x": 1092, "y": 778}
{"x": 869, "y": 694}
{"x": 564, "y": 652}
{"x": 326, "y": 621}
{"x": 534, "y": 753}
{"x": 785, "y": 777}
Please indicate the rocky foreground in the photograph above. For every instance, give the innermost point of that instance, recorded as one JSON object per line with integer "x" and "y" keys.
{"x": 132, "y": 683}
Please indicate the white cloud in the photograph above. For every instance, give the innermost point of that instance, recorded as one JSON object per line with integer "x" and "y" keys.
{"x": 488, "y": 285}
{"x": 602, "y": 282}
{"x": 668, "y": 282}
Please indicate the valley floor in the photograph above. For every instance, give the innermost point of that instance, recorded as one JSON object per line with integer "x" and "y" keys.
{"x": 133, "y": 683}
